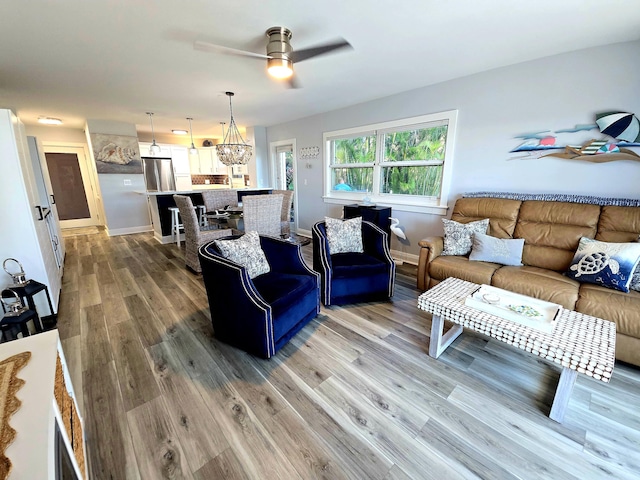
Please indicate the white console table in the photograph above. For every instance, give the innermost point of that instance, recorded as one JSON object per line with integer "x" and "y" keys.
{"x": 33, "y": 452}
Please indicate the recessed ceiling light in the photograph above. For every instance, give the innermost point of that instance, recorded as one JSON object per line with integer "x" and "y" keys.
{"x": 179, "y": 132}
{"x": 50, "y": 121}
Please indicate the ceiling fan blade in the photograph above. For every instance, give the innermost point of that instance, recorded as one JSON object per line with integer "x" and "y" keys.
{"x": 307, "y": 53}
{"x": 211, "y": 47}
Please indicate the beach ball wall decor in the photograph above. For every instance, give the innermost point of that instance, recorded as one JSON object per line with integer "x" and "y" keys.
{"x": 619, "y": 136}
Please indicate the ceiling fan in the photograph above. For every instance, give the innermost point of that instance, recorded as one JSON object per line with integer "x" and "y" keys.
{"x": 280, "y": 55}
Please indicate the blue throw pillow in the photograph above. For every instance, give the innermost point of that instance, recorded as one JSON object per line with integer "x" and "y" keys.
{"x": 609, "y": 265}
{"x": 505, "y": 251}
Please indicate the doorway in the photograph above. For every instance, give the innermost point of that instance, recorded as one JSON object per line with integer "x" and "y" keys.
{"x": 72, "y": 186}
{"x": 283, "y": 164}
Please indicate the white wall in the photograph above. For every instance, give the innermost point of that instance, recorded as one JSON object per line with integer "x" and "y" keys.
{"x": 493, "y": 107}
{"x": 125, "y": 209}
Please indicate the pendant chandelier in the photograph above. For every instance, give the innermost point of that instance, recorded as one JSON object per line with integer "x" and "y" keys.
{"x": 154, "y": 149}
{"x": 192, "y": 149}
{"x": 233, "y": 150}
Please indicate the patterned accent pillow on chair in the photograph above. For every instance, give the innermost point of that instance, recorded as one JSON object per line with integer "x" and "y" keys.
{"x": 344, "y": 236}
{"x": 245, "y": 251}
{"x": 457, "y": 236}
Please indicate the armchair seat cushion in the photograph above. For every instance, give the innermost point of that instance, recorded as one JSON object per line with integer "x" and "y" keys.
{"x": 291, "y": 296}
{"x": 282, "y": 290}
{"x": 349, "y": 265}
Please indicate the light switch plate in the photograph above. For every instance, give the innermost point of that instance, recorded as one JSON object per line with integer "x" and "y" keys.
{"x": 127, "y": 181}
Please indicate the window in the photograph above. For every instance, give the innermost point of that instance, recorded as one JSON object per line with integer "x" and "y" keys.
{"x": 405, "y": 163}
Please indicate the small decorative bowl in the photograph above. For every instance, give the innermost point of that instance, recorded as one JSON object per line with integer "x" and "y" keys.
{"x": 491, "y": 298}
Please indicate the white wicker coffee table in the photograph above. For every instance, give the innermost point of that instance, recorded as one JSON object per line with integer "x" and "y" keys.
{"x": 579, "y": 343}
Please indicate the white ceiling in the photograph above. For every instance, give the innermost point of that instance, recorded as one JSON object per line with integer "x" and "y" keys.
{"x": 117, "y": 59}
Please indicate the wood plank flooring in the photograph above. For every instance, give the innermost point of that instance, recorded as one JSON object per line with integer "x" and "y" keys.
{"x": 353, "y": 396}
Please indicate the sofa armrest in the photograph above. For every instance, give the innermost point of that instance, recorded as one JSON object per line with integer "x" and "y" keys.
{"x": 430, "y": 249}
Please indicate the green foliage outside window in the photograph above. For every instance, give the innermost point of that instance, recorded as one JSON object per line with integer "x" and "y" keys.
{"x": 425, "y": 146}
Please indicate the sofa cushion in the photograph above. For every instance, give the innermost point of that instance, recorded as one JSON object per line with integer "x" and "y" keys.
{"x": 552, "y": 231}
{"x": 501, "y": 212}
{"x": 618, "y": 224}
{"x": 539, "y": 283}
{"x": 461, "y": 267}
{"x": 457, "y": 236}
{"x": 619, "y": 307}
{"x": 505, "y": 251}
{"x": 607, "y": 264}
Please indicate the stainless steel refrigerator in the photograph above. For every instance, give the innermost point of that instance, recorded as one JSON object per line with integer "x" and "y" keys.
{"x": 158, "y": 174}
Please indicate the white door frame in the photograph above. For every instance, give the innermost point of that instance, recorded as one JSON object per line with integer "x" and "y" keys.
{"x": 272, "y": 171}
{"x": 89, "y": 179}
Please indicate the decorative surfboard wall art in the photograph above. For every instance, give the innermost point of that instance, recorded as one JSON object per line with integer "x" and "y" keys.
{"x": 620, "y": 132}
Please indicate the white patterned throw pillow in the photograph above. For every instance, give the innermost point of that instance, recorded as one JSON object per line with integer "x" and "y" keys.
{"x": 344, "y": 236}
{"x": 457, "y": 236}
{"x": 245, "y": 251}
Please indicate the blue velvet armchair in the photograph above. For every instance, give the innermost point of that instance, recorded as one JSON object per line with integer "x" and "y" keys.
{"x": 354, "y": 277}
{"x": 262, "y": 314}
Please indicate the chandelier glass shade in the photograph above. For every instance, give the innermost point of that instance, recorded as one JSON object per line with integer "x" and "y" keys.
{"x": 233, "y": 150}
{"x": 154, "y": 149}
{"x": 192, "y": 149}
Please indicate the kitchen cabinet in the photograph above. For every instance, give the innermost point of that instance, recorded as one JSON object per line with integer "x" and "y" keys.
{"x": 50, "y": 442}
{"x": 209, "y": 163}
{"x": 165, "y": 150}
{"x": 30, "y": 226}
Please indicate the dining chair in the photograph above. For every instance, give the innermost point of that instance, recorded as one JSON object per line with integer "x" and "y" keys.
{"x": 218, "y": 199}
{"x": 194, "y": 237}
{"x": 262, "y": 214}
{"x": 285, "y": 218}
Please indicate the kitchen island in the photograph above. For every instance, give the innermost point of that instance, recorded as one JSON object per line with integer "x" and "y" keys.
{"x": 160, "y": 202}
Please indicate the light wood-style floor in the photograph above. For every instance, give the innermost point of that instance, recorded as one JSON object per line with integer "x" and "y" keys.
{"x": 354, "y": 395}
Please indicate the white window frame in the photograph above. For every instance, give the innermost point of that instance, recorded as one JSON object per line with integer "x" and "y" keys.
{"x": 409, "y": 203}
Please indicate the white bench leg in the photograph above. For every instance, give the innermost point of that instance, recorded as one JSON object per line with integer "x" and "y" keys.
{"x": 438, "y": 342}
{"x": 563, "y": 393}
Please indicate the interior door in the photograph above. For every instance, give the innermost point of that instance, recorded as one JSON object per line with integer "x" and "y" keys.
{"x": 71, "y": 184}
{"x": 285, "y": 175}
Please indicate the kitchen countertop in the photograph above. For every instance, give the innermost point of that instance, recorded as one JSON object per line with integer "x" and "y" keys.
{"x": 197, "y": 190}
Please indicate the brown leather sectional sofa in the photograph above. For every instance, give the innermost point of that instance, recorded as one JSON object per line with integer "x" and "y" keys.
{"x": 552, "y": 231}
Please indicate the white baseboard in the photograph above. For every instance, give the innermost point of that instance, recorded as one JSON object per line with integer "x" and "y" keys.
{"x": 402, "y": 257}
{"x": 128, "y": 231}
{"x": 303, "y": 233}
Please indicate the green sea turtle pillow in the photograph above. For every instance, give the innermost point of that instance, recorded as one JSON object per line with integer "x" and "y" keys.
{"x": 609, "y": 265}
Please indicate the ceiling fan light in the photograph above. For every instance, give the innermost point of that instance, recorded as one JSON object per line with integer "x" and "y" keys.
{"x": 280, "y": 67}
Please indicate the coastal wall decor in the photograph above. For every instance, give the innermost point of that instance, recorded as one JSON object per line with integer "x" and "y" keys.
{"x": 617, "y": 132}
{"x": 116, "y": 153}
{"x": 309, "y": 153}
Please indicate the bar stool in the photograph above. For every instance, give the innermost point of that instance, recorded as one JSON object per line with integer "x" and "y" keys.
{"x": 176, "y": 224}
